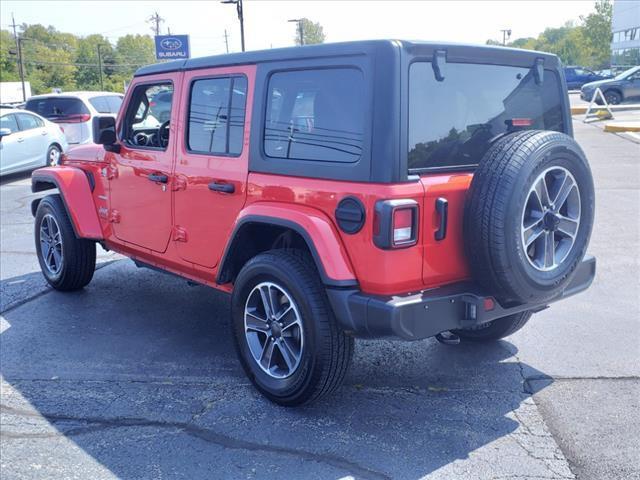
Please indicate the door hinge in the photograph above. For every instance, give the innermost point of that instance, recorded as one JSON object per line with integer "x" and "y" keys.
{"x": 114, "y": 216}
{"x": 179, "y": 234}
{"x": 179, "y": 184}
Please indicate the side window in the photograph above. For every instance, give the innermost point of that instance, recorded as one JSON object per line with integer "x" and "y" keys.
{"x": 28, "y": 122}
{"x": 9, "y": 121}
{"x": 216, "y": 115}
{"x": 114, "y": 102}
{"x": 146, "y": 123}
{"x": 315, "y": 115}
{"x": 100, "y": 104}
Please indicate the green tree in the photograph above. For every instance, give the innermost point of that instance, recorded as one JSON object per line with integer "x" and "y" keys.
{"x": 597, "y": 34}
{"x": 587, "y": 43}
{"x": 312, "y": 33}
{"x": 88, "y": 76}
{"x": 49, "y": 58}
{"x": 8, "y": 67}
{"x": 133, "y": 51}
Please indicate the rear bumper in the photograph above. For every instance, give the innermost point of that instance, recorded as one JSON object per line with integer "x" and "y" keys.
{"x": 424, "y": 314}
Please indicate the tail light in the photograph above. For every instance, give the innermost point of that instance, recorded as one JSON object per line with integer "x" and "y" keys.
{"x": 76, "y": 118}
{"x": 395, "y": 224}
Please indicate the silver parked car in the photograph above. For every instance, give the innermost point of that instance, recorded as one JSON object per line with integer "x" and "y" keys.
{"x": 28, "y": 141}
{"x": 74, "y": 111}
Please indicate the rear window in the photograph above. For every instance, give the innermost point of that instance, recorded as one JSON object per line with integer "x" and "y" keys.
{"x": 56, "y": 107}
{"x": 452, "y": 122}
{"x": 315, "y": 115}
{"x": 106, "y": 103}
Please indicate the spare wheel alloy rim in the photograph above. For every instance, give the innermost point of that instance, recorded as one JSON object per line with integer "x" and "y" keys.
{"x": 51, "y": 244}
{"x": 550, "y": 219}
{"x": 273, "y": 330}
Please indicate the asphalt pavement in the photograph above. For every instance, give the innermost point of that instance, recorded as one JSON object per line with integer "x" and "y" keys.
{"x": 136, "y": 377}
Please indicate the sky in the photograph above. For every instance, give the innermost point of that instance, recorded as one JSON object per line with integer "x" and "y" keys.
{"x": 266, "y": 23}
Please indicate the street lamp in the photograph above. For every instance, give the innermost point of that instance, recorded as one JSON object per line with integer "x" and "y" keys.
{"x": 238, "y": 4}
{"x": 299, "y": 21}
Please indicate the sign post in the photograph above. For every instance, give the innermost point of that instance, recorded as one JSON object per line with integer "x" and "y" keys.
{"x": 171, "y": 47}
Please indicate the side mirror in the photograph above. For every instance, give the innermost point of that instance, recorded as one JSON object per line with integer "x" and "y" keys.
{"x": 4, "y": 132}
{"x": 104, "y": 133}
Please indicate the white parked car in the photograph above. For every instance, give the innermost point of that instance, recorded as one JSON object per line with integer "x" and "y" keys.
{"x": 74, "y": 111}
{"x": 28, "y": 141}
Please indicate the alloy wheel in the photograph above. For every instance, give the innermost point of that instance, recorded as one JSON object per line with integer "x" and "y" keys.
{"x": 551, "y": 218}
{"x": 51, "y": 244}
{"x": 273, "y": 330}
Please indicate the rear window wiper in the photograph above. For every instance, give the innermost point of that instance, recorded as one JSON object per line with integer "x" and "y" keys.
{"x": 439, "y": 63}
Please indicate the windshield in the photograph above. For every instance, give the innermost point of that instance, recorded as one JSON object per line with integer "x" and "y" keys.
{"x": 627, "y": 73}
{"x": 453, "y": 122}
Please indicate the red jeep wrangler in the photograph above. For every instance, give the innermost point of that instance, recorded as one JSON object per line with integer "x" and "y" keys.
{"x": 367, "y": 189}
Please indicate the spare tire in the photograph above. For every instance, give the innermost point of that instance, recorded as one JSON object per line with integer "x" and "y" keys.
{"x": 529, "y": 215}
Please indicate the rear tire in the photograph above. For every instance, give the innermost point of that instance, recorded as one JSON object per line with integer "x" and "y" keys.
{"x": 496, "y": 329}
{"x": 296, "y": 357}
{"x": 53, "y": 156}
{"x": 67, "y": 262}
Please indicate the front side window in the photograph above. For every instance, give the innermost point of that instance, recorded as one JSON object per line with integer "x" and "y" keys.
{"x": 217, "y": 115}
{"x": 9, "y": 121}
{"x": 453, "y": 122}
{"x": 315, "y": 115}
{"x": 147, "y": 118}
{"x": 29, "y": 122}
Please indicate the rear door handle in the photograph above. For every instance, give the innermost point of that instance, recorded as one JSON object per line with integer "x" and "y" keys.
{"x": 442, "y": 208}
{"x": 158, "y": 177}
{"x": 222, "y": 187}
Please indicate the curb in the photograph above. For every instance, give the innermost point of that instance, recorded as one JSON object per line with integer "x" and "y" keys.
{"x": 622, "y": 127}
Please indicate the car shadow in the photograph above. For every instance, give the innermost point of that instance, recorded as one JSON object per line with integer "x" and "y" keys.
{"x": 136, "y": 376}
{"x": 13, "y": 177}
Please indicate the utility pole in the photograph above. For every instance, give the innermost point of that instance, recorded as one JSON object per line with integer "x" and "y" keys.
{"x": 100, "y": 66}
{"x": 300, "y": 22}
{"x": 506, "y": 34}
{"x": 19, "y": 61}
{"x": 226, "y": 40}
{"x": 155, "y": 20}
{"x": 238, "y": 4}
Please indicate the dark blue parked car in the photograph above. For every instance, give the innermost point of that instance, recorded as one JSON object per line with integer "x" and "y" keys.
{"x": 578, "y": 76}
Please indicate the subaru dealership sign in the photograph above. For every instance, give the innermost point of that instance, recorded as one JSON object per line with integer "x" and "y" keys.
{"x": 169, "y": 47}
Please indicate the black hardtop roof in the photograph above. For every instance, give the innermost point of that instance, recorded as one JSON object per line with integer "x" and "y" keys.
{"x": 490, "y": 54}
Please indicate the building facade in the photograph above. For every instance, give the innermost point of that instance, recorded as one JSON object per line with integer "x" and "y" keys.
{"x": 625, "y": 28}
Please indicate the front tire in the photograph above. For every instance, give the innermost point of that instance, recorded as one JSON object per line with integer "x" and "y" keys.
{"x": 496, "y": 329}
{"x": 285, "y": 333}
{"x": 67, "y": 262}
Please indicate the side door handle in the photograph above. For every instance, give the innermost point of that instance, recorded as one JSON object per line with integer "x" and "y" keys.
{"x": 43, "y": 133}
{"x": 222, "y": 187}
{"x": 20, "y": 139}
{"x": 442, "y": 208}
{"x": 158, "y": 177}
